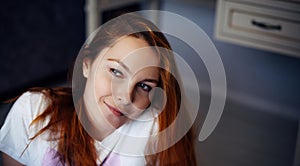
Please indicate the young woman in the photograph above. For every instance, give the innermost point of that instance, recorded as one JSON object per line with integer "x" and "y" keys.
{"x": 113, "y": 102}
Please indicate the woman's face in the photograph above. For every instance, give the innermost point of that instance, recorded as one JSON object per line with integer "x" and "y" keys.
{"x": 119, "y": 82}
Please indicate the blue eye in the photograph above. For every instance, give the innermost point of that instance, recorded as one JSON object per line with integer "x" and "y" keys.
{"x": 144, "y": 87}
{"x": 116, "y": 73}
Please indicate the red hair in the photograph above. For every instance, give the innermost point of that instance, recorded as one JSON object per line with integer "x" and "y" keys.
{"x": 75, "y": 146}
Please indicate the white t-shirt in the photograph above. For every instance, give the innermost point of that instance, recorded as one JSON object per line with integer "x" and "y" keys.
{"x": 123, "y": 147}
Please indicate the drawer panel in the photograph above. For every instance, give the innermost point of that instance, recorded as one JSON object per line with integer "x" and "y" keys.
{"x": 265, "y": 25}
{"x": 259, "y": 26}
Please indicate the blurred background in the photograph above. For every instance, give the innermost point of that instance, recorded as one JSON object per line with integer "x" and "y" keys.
{"x": 260, "y": 123}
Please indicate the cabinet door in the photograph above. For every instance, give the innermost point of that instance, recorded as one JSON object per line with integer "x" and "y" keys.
{"x": 259, "y": 25}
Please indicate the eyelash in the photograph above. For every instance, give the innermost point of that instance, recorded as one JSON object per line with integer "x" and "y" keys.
{"x": 144, "y": 87}
{"x": 116, "y": 73}
{"x": 119, "y": 74}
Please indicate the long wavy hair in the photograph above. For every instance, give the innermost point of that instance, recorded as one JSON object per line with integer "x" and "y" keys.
{"x": 75, "y": 145}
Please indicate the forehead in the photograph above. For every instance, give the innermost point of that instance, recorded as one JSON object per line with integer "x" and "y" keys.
{"x": 134, "y": 53}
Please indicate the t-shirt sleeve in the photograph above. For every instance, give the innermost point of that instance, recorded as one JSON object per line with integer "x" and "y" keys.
{"x": 16, "y": 131}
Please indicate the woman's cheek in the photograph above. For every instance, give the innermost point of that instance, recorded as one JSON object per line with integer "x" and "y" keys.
{"x": 102, "y": 86}
{"x": 141, "y": 101}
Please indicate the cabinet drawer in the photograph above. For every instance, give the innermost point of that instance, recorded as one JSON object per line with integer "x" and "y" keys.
{"x": 259, "y": 26}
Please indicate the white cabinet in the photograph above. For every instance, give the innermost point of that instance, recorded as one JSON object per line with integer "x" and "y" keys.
{"x": 94, "y": 10}
{"x": 265, "y": 24}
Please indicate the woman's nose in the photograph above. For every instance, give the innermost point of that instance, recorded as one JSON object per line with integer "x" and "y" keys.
{"x": 123, "y": 99}
{"x": 122, "y": 95}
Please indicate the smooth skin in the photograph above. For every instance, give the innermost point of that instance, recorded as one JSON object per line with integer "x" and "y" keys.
{"x": 118, "y": 84}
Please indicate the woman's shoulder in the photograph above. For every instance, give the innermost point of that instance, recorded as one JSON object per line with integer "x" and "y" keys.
{"x": 30, "y": 103}
{"x": 31, "y": 97}
{"x": 36, "y": 100}
{"x": 17, "y": 131}
{"x": 28, "y": 96}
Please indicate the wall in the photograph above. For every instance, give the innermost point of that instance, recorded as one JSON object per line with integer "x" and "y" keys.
{"x": 39, "y": 42}
{"x": 260, "y": 121}
{"x": 255, "y": 77}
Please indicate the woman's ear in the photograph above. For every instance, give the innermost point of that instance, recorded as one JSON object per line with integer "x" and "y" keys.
{"x": 86, "y": 66}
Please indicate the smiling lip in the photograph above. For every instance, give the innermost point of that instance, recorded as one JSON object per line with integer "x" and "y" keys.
{"x": 115, "y": 111}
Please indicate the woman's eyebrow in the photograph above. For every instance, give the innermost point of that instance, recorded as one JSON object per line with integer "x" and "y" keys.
{"x": 151, "y": 80}
{"x": 121, "y": 63}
